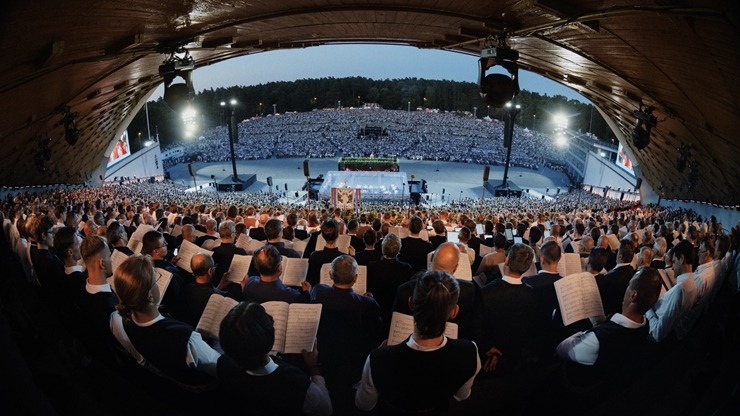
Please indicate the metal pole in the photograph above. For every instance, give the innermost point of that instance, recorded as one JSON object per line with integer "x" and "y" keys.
{"x": 195, "y": 185}
{"x": 148, "y": 129}
{"x": 591, "y": 120}
{"x": 231, "y": 143}
{"x": 508, "y": 138}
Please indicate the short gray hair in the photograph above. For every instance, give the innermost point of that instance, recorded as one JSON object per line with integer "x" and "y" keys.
{"x": 391, "y": 245}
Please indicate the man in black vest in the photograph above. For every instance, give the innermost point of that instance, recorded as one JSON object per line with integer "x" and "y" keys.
{"x": 370, "y": 253}
{"x": 330, "y": 233}
{"x": 504, "y": 319}
{"x": 414, "y": 250}
{"x": 543, "y": 286}
{"x": 612, "y": 347}
{"x": 224, "y": 253}
{"x": 613, "y": 284}
{"x": 173, "y": 301}
{"x": 384, "y": 276}
{"x": 440, "y": 234}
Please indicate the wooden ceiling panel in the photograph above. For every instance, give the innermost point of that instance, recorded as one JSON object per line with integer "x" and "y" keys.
{"x": 101, "y": 58}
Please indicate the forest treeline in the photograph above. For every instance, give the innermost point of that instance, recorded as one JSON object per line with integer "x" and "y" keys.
{"x": 537, "y": 110}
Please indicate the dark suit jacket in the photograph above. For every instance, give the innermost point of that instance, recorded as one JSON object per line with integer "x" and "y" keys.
{"x": 414, "y": 252}
{"x": 202, "y": 239}
{"x": 437, "y": 240}
{"x": 548, "y": 320}
{"x": 657, "y": 264}
{"x": 611, "y": 261}
{"x": 384, "y": 276}
{"x": 173, "y": 300}
{"x": 475, "y": 244}
{"x": 504, "y": 319}
{"x": 364, "y": 257}
{"x": 222, "y": 256}
{"x": 258, "y": 233}
{"x": 318, "y": 259}
{"x": 357, "y": 243}
{"x": 612, "y": 286}
{"x": 311, "y": 245}
{"x": 300, "y": 234}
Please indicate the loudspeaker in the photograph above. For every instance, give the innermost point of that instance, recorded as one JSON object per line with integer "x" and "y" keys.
{"x": 638, "y": 184}
{"x": 269, "y": 181}
{"x": 305, "y": 168}
{"x": 190, "y": 169}
{"x": 286, "y": 186}
{"x": 486, "y": 172}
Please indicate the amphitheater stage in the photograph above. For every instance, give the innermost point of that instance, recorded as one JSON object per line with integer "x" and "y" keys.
{"x": 444, "y": 179}
{"x": 228, "y": 184}
{"x": 497, "y": 188}
{"x": 374, "y": 185}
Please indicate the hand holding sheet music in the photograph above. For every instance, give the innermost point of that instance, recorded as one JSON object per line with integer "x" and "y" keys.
{"x": 578, "y": 297}
{"x": 186, "y": 253}
{"x": 296, "y": 325}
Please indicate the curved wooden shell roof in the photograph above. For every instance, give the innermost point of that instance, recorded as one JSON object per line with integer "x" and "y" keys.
{"x": 101, "y": 59}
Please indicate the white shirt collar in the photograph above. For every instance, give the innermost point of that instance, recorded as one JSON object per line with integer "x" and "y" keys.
{"x": 72, "y": 269}
{"x": 622, "y": 320}
{"x": 512, "y": 280}
{"x": 93, "y": 289}
{"x": 150, "y": 323}
{"x": 266, "y": 370}
{"x": 411, "y": 343}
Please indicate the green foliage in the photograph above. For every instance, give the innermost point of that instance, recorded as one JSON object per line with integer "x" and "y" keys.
{"x": 308, "y": 94}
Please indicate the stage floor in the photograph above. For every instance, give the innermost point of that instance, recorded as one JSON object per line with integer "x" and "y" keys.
{"x": 381, "y": 185}
{"x": 444, "y": 179}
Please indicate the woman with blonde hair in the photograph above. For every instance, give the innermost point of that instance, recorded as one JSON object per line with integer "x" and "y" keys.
{"x": 166, "y": 346}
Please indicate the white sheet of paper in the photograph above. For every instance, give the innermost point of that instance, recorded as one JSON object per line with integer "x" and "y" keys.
{"x": 402, "y": 326}
{"x": 294, "y": 271}
{"x": 578, "y": 297}
{"x": 239, "y": 267}
{"x": 186, "y": 253}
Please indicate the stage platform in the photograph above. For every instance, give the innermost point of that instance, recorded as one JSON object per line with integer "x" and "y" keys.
{"x": 228, "y": 184}
{"x": 374, "y": 185}
{"x": 496, "y": 188}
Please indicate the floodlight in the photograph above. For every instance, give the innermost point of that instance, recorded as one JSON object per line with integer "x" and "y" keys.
{"x": 645, "y": 123}
{"x": 497, "y": 89}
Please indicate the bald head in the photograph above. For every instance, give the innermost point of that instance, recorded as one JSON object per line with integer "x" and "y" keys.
{"x": 201, "y": 264}
{"x": 263, "y": 219}
{"x": 446, "y": 257}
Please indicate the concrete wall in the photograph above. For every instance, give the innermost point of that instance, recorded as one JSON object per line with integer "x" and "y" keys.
{"x": 143, "y": 164}
{"x": 602, "y": 173}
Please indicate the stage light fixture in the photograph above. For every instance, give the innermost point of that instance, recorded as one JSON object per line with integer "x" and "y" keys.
{"x": 693, "y": 178}
{"x": 179, "y": 63}
{"x": 69, "y": 121}
{"x": 683, "y": 156}
{"x": 645, "y": 123}
{"x": 497, "y": 89}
